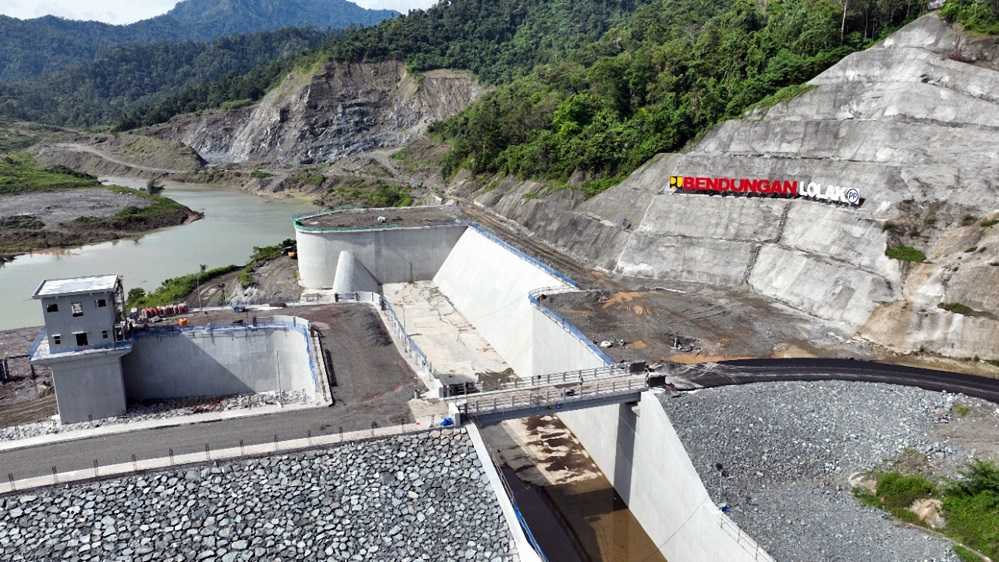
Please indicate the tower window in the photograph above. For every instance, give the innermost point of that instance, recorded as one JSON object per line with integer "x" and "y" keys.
{"x": 56, "y": 339}
{"x": 101, "y": 303}
{"x": 81, "y": 339}
{"x": 104, "y": 334}
{"x": 54, "y": 307}
{"x": 77, "y": 309}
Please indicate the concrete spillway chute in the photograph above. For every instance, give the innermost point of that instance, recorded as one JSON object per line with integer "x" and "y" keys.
{"x": 351, "y": 276}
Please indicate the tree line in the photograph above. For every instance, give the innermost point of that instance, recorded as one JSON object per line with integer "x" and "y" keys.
{"x": 658, "y": 80}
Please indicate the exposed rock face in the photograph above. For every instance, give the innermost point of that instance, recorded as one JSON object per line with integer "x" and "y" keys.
{"x": 318, "y": 117}
{"x": 910, "y": 123}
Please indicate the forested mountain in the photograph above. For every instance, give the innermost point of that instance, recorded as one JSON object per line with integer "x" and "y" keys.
{"x": 496, "y": 39}
{"x": 594, "y": 88}
{"x": 129, "y": 79}
{"x": 658, "y": 80}
{"x": 29, "y": 48}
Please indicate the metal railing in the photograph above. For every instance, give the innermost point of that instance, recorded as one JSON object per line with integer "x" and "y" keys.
{"x": 479, "y": 405}
{"x": 523, "y": 255}
{"x": 577, "y": 376}
{"x": 569, "y": 326}
{"x": 299, "y": 222}
{"x": 409, "y": 344}
{"x": 535, "y": 295}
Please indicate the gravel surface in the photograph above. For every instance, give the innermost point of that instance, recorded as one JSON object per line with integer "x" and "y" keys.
{"x": 55, "y": 207}
{"x": 414, "y": 498}
{"x": 159, "y": 411}
{"x": 780, "y": 454}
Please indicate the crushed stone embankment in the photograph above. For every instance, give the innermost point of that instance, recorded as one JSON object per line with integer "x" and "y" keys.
{"x": 781, "y": 454}
{"x": 419, "y": 497}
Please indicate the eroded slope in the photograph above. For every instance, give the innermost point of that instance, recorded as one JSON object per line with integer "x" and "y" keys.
{"x": 319, "y": 116}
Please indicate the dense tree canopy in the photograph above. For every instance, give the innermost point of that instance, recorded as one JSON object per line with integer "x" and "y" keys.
{"x": 130, "y": 80}
{"x": 496, "y": 39}
{"x": 655, "y": 81}
{"x": 981, "y": 16}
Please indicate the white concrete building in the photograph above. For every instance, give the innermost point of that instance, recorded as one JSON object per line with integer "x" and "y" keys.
{"x": 83, "y": 343}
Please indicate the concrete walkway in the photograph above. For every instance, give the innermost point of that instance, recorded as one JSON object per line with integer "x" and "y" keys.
{"x": 383, "y": 412}
{"x": 452, "y": 343}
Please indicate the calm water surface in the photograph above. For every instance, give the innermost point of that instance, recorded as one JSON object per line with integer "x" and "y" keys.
{"x": 234, "y": 223}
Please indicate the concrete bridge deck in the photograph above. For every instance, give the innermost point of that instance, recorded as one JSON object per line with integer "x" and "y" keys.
{"x": 493, "y": 407}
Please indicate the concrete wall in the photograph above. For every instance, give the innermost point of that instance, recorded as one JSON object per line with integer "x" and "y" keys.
{"x": 488, "y": 283}
{"x": 221, "y": 362}
{"x": 89, "y": 388}
{"x": 396, "y": 255}
{"x": 642, "y": 455}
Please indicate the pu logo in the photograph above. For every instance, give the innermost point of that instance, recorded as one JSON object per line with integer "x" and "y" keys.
{"x": 675, "y": 184}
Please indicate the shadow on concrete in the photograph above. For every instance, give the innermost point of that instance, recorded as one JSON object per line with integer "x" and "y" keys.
{"x": 171, "y": 365}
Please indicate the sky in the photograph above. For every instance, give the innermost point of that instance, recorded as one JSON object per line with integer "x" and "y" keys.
{"x": 128, "y": 11}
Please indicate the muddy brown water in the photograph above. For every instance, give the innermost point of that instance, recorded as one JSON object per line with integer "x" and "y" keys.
{"x": 580, "y": 520}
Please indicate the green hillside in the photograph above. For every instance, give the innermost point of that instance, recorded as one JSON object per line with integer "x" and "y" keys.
{"x": 496, "y": 39}
{"x": 130, "y": 79}
{"x": 655, "y": 82}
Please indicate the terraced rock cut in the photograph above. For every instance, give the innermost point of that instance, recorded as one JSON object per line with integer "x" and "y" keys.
{"x": 911, "y": 123}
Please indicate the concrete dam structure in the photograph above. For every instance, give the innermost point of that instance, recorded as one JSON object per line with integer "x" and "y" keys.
{"x": 495, "y": 287}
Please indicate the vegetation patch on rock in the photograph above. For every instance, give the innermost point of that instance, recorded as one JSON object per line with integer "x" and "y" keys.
{"x": 980, "y": 16}
{"x": 970, "y": 504}
{"x": 906, "y": 253}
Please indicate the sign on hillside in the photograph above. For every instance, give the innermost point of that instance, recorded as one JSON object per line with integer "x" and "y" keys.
{"x": 778, "y": 188}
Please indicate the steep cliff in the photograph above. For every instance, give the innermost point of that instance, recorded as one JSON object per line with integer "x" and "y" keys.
{"x": 319, "y": 116}
{"x": 912, "y": 123}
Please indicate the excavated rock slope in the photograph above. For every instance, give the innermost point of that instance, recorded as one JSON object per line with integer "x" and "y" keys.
{"x": 912, "y": 122}
{"x": 318, "y": 116}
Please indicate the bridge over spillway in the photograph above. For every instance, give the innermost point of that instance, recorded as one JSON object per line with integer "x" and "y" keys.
{"x": 557, "y": 393}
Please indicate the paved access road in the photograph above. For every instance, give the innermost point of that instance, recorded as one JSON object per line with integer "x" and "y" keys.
{"x": 772, "y": 370}
{"x": 156, "y": 443}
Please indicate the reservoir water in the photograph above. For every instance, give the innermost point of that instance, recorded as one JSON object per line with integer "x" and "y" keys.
{"x": 235, "y": 222}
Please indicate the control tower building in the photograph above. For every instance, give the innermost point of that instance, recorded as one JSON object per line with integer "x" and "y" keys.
{"x": 84, "y": 340}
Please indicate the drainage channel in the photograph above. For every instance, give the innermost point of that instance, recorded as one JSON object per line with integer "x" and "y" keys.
{"x": 570, "y": 507}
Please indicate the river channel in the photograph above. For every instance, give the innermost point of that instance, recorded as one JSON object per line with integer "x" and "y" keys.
{"x": 235, "y": 221}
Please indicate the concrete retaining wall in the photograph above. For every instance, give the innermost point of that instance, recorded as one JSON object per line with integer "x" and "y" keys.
{"x": 489, "y": 282}
{"x": 396, "y": 255}
{"x": 643, "y": 457}
{"x": 166, "y": 364}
